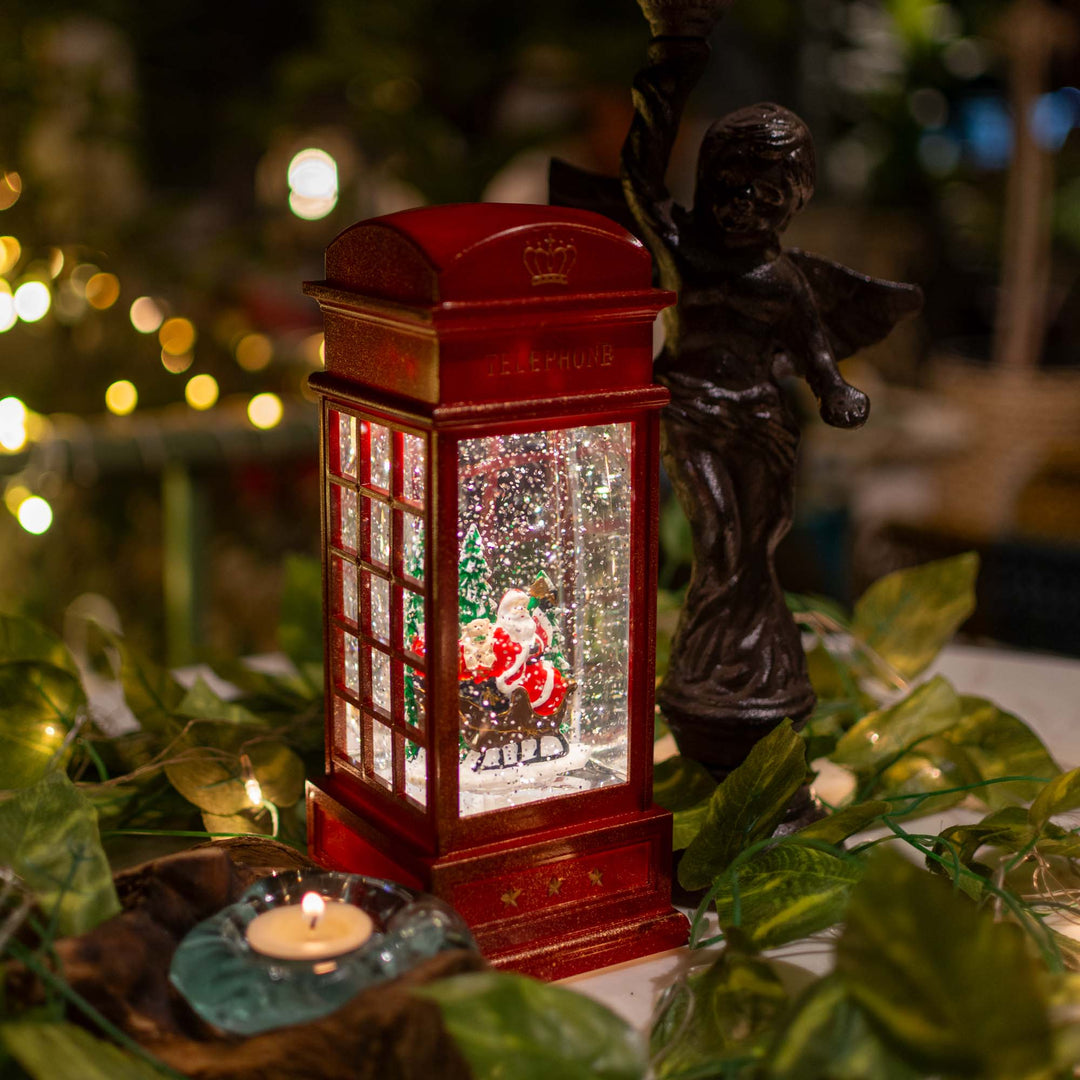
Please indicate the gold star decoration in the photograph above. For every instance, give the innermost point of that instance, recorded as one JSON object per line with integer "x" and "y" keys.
{"x": 554, "y": 885}
{"x": 596, "y": 877}
{"x": 510, "y": 898}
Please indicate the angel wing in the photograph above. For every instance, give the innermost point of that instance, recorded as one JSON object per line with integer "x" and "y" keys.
{"x": 856, "y": 310}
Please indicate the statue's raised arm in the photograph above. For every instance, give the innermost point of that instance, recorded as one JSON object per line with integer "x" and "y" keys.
{"x": 677, "y": 55}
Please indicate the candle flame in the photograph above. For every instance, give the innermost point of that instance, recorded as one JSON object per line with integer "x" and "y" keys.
{"x": 254, "y": 791}
{"x": 313, "y": 906}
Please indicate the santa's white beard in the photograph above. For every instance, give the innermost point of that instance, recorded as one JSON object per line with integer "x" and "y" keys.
{"x": 519, "y": 628}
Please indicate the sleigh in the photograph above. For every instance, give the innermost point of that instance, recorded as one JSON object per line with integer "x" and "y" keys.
{"x": 490, "y": 721}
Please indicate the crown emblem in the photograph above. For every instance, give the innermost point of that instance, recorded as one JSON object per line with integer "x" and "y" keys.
{"x": 549, "y": 261}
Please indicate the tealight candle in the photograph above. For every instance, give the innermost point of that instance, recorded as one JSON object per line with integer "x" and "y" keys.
{"x": 310, "y": 930}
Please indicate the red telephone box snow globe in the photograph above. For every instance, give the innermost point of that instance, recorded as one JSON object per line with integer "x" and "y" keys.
{"x": 490, "y": 459}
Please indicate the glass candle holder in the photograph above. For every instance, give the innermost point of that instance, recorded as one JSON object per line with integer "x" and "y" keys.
{"x": 239, "y": 989}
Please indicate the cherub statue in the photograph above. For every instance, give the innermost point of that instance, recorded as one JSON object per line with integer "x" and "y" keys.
{"x": 748, "y": 313}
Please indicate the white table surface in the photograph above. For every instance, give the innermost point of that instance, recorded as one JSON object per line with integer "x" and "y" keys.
{"x": 1042, "y": 690}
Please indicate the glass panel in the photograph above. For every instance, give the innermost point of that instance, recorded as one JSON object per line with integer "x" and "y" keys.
{"x": 353, "y": 738}
{"x": 416, "y": 772}
{"x": 414, "y": 621}
{"x": 413, "y": 461}
{"x": 380, "y": 457}
{"x": 352, "y": 663}
{"x": 413, "y": 558}
{"x": 379, "y": 606}
{"x": 544, "y": 587}
{"x": 347, "y": 577}
{"x": 344, "y": 518}
{"x": 380, "y": 680}
{"x": 380, "y": 532}
{"x": 415, "y": 701}
{"x": 346, "y": 445}
{"x": 382, "y": 747}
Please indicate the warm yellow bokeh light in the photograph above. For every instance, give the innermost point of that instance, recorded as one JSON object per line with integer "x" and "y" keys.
{"x": 265, "y": 410}
{"x": 254, "y": 352}
{"x": 8, "y": 316}
{"x": 176, "y": 364}
{"x": 145, "y": 315}
{"x": 102, "y": 291}
{"x": 10, "y": 189}
{"x": 32, "y": 300}
{"x": 177, "y": 336}
{"x": 313, "y": 174}
{"x": 10, "y": 253}
{"x": 12, "y": 424}
{"x": 312, "y": 348}
{"x": 81, "y": 275}
{"x": 14, "y": 496}
{"x": 311, "y": 209}
{"x": 35, "y": 515}
{"x": 201, "y": 391}
{"x": 55, "y": 262}
{"x": 121, "y": 397}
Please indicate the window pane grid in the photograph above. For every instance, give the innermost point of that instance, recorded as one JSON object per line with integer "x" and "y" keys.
{"x": 376, "y": 487}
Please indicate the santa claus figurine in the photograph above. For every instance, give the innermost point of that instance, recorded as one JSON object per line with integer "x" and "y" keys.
{"x": 513, "y": 654}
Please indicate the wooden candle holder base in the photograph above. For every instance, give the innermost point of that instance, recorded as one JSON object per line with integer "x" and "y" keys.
{"x": 550, "y": 904}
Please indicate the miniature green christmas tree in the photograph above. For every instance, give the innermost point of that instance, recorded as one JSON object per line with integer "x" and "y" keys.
{"x": 474, "y": 587}
{"x": 414, "y": 629}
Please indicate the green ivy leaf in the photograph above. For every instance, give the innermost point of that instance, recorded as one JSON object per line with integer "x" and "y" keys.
{"x": 957, "y": 991}
{"x": 814, "y": 604}
{"x": 151, "y": 692}
{"x": 882, "y": 736}
{"x": 828, "y": 1037}
{"x": 209, "y": 779}
{"x": 49, "y": 837}
{"x": 686, "y": 824}
{"x": 1060, "y": 796}
{"x": 60, "y": 1051}
{"x": 935, "y": 765}
{"x": 1000, "y": 744}
{"x": 202, "y": 703}
{"x": 747, "y": 806}
{"x": 23, "y": 641}
{"x": 715, "y": 1015}
{"x": 300, "y": 632}
{"x": 1007, "y": 830}
{"x": 508, "y": 1025}
{"x": 40, "y": 703}
{"x": 907, "y": 616}
{"x": 838, "y": 826}
{"x": 786, "y": 892}
{"x": 279, "y": 770}
{"x": 680, "y": 783}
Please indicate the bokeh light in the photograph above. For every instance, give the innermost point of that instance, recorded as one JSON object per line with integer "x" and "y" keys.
{"x": 121, "y": 397}
{"x": 35, "y": 515}
{"x": 15, "y": 495}
{"x": 8, "y": 316}
{"x": 10, "y": 253}
{"x": 10, "y": 189}
{"x": 102, "y": 291}
{"x": 265, "y": 410}
{"x": 254, "y": 352}
{"x": 145, "y": 315}
{"x": 55, "y": 262}
{"x": 177, "y": 336}
{"x": 313, "y": 184}
{"x": 313, "y": 349}
{"x": 176, "y": 364}
{"x": 201, "y": 391}
{"x": 12, "y": 424}
{"x": 32, "y": 300}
